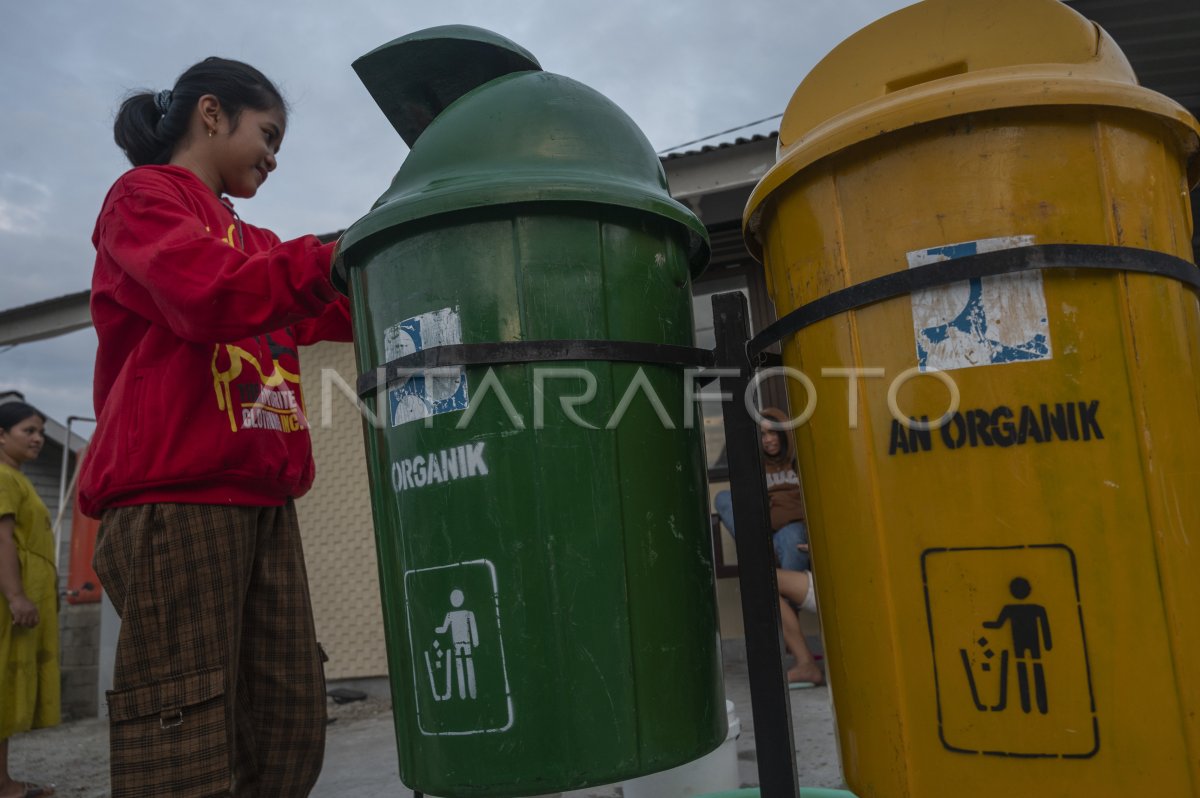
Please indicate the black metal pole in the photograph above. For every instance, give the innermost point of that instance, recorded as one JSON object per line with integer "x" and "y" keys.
{"x": 769, "y": 700}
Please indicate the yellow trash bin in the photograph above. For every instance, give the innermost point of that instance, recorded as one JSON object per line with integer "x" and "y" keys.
{"x": 1002, "y": 472}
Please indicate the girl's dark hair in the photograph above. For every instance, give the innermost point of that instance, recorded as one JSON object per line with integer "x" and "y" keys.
{"x": 149, "y": 125}
{"x": 13, "y": 413}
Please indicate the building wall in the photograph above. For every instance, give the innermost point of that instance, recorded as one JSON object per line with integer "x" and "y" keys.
{"x": 336, "y": 525}
{"x": 79, "y": 660}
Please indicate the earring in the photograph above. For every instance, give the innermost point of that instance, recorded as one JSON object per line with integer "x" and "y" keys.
{"x": 210, "y": 132}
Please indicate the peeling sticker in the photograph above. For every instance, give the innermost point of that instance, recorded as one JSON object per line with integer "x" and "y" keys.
{"x": 981, "y": 322}
{"x": 435, "y": 391}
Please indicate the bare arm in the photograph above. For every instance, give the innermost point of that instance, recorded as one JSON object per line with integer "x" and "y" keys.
{"x": 24, "y": 611}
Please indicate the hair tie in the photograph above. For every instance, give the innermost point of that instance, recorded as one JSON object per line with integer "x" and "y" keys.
{"x": 162, "y": 101}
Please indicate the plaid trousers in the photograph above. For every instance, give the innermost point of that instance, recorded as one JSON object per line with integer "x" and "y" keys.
{"x": 219, "y": 686}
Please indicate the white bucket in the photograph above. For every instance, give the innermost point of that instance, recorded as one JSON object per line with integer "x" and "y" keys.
{"x": 713, "y": 772}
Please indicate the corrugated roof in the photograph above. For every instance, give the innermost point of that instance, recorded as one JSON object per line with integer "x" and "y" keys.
{"x": 774, "y": 134}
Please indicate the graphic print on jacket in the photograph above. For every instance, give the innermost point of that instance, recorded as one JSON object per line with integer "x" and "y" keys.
{"x": 253, "y": 398}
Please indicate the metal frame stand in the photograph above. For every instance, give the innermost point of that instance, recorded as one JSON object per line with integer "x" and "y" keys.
{"x": 737, "y": 354}
{"x": 770, "y": 706}
{"x": 769, "y": 701}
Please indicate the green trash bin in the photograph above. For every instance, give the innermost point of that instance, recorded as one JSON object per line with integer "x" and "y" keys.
{"x": 542, "y": 527}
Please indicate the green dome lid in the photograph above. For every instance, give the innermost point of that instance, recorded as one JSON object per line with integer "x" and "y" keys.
{"x": 524, "y": 136}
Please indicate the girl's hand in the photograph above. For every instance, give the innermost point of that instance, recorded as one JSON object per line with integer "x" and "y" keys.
{"x": 802, "y": 546}
{"x": 24, "y": 612}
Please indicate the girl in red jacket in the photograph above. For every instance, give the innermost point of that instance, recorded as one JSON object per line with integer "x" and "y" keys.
{"x": 202, "y": 445}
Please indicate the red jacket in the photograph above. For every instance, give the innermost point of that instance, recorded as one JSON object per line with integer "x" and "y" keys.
{"x": 197, "y": 385}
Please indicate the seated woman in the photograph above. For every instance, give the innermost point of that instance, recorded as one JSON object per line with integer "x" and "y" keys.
{"x": 788, "y": 531}
{"x": 790, "y": 540}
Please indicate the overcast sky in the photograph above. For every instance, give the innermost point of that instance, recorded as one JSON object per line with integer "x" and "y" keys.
{"x": 681, "y": 70}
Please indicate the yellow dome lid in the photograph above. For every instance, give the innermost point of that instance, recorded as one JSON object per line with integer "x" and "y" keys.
{"x": 943, "y": 58}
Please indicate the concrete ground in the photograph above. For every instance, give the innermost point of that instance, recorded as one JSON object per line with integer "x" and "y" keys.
{"x": 360, "y": 758}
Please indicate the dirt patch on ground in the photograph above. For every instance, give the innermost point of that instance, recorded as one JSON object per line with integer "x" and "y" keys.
{"x": 74, "y": 755}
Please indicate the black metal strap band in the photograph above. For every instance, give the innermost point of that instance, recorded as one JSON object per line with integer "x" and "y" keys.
{"x": 987, "y": 264}
{"x": 508, "y": 352}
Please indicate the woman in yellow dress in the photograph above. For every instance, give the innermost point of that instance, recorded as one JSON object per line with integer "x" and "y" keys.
{"x": 29, "y": 686}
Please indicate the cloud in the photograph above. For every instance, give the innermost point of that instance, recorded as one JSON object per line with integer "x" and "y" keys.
{"x": 55, "y": 375}
{"x": 23, "y": 204}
